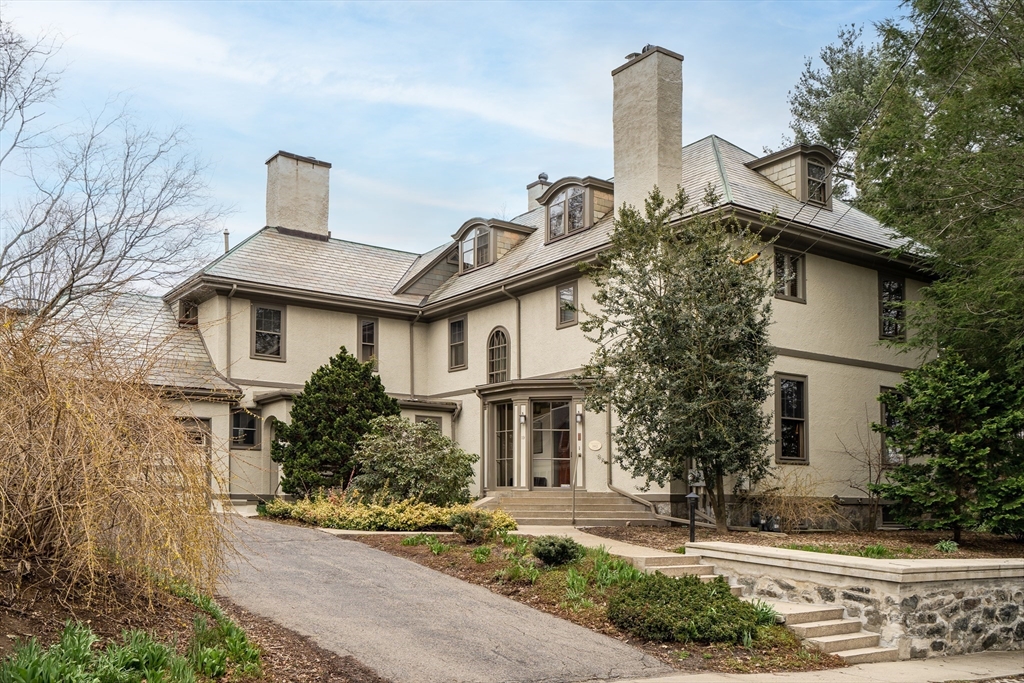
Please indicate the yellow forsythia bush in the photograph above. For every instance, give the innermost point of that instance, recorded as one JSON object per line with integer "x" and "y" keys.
{"x": 349, "y": 511}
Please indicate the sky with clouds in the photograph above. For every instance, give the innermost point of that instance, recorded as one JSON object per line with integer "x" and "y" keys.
{"x": 431, "y": 113}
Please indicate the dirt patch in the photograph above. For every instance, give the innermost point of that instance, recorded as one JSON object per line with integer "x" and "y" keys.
{"x": 293, "y": 658}
{"x": 900, "y": 544}
{"x": 780, "y": 651}
{"x": 40, "y": 611}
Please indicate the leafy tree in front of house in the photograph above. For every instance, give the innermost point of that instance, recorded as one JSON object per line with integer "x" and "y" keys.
{"x": 682, "y": 352}
{"x": 959, "y": 432}
{"x": 328, "y": 419}
{"x": 399, "y": 460}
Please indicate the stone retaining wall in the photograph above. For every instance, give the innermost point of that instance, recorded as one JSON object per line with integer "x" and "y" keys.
{"x": 925, "y": 608}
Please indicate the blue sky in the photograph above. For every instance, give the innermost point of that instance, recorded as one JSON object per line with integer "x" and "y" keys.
{"x": 431, "y": 113}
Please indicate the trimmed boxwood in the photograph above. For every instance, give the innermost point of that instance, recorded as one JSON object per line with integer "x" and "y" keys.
{"x": 661, "y": 608}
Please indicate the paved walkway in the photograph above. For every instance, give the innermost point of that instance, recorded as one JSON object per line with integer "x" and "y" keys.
{"x": 614, "y": 547}
{"x": 1004, "y": 666}
{"x": 412, "y": 624}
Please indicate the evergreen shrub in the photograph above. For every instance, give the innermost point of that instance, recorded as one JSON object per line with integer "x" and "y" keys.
{"x": 557, "y": 550}
{"x": 475, "y": 525}
{"x": 662, "y": 608}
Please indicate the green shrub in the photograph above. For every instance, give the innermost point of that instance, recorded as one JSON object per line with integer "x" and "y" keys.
{"x": 612, "y": 571}
{"x": 520, "y": 570}
{"x": 764, "y": 613}
{"x": 481, "y": 554}
{"x": 555, "y": 551}
{"x": 418, "y": 539}
{"x": 399, "y": 460}
{"x": 947, "y": 546}
{"x": 476, "y": 525}
{"x": 661, "y": 608}
{"x": 878, "y": 552}
{"x": 351, "y": 510}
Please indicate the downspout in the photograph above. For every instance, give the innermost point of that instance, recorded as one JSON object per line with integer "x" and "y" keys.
{"x": 483, "y": 445}
{"x": 519, "y": 336}
{"x": 637, "y": 499}
{"x": 227, "y": 335}
{"x": 412, "y": 358}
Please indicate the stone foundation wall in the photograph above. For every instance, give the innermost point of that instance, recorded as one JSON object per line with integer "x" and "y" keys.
{"x": 925, "y": 608}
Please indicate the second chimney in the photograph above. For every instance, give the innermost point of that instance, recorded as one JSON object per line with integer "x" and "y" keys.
{"x": 647, "y": 119}
{"x": 298, "y": 193}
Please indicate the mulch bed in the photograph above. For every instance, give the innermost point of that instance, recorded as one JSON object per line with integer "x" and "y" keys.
{"x": 457, "y": 562}
{"x": 40, "y": 611}
{"x": 906, "y": 544}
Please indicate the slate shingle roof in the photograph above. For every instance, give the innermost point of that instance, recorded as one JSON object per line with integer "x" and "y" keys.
{"x": 335, "y": 267}
{"x": 136, "y": 326}
{"x": 361, "y": 271}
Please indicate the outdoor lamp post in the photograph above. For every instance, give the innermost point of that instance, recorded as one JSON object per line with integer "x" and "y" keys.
{"x": 691, "y": 498}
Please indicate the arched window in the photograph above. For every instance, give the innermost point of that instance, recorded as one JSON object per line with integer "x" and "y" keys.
{"x": 476, "y": 249}
{"x": 497, "y": 357}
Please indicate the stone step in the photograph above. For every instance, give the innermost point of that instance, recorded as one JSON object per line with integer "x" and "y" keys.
{"x": 701, "y": 570}
{"x": 673, "y": 560}
{"x": 599, "y": 521}
{"x": 522, "y": 493}
{"x": 736, "y": 590}
{"x": 844, "y": 641}
{"x": 831, "y": 627}
{"x": 530, "y": 506}
{"x": 794, "y": 613}
{"x": 869, "y": 655}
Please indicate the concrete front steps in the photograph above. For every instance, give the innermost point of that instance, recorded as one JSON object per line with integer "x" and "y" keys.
{"x": 554, "y": 508}
{"x": 824, "y": 628}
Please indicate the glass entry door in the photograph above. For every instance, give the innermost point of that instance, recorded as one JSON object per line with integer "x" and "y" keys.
{"x": 551, "y": 436}
{"x": 504, "y": 445}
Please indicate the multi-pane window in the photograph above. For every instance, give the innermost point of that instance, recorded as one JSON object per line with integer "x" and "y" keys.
{"x": 268, "y": 332}
{"x": 890, "y": 454}
{"x": 567, "y": 212}
{"x": 476, "y": 249}
{"x": 891, "y": 294}
{"x": 566, "y": 304}
{"x": 504, "y": 444}
{"x": 551, "y": 437}
{"x": 789, "y": 276}
{"x": 817, "y": 178}
{"x": 367, "y": 340}
{"x": 497, "y": 357}
{"x": 457, "y": 343}
{"x": 431, "y": 419}
{"x": 791, "y": 418}
{"x": 245, "y": 431}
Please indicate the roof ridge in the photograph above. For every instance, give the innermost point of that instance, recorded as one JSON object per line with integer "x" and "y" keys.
{"x": 721, "y": 170}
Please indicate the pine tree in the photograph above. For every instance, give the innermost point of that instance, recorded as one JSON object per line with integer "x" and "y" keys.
{"x": 682, "y": 337}
{"x": 328, "y": 419}
{"x": 957, "y": 430}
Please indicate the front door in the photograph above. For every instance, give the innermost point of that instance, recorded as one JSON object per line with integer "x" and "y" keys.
{"x": 551, "y": 444}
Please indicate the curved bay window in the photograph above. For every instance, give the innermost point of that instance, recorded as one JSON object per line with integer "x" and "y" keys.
{"x": 476, "y": 249}
{"x": 497, "y": 357}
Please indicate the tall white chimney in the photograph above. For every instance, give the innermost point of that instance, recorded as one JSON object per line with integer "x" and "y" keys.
{"x": 647, "y": 118}
{"x": 298, "y": 190}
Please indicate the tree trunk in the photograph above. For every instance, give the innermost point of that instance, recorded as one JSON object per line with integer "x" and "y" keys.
{"x": 956, "y": 533}
{"x": 718, "y": 501}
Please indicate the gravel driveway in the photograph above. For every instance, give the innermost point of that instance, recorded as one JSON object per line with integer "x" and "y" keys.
{"x": 409, "y": 623}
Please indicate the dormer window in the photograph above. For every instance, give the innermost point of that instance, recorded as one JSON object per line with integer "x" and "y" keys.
{"x": 476, "y": 249}
{"x": 817, "y": 178}
{"x": 188, "y": 313}
{"x": 565, "y": 212}
{"x": 575, "y": 204}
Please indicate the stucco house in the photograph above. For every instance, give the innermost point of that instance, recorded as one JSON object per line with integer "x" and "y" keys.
{"x": 474, "y": 334}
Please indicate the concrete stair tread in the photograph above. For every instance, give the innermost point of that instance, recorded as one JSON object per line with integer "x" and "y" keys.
{"x": 682, "y": 570}
{"x": 844, "y": 641}
{"x": 828, "y": 627}
{"x": 796, "y": 613}
{"x": 868, "y": 655}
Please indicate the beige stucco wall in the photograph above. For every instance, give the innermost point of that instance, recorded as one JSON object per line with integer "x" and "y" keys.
{"x": 218, "y": 416}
